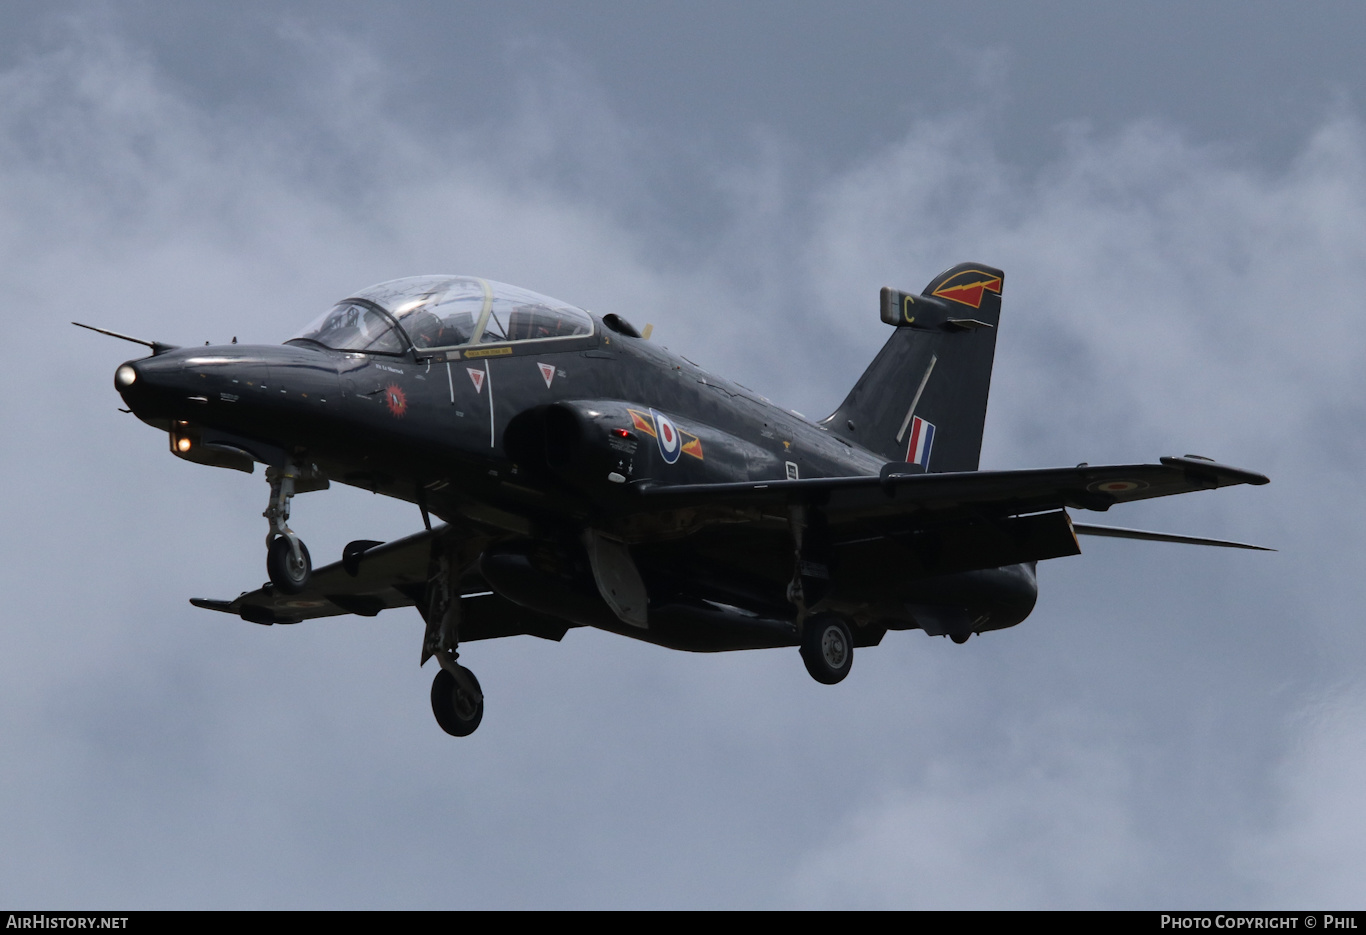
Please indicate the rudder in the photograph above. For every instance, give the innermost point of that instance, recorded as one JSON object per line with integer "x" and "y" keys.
{"x": 923, "y": 399}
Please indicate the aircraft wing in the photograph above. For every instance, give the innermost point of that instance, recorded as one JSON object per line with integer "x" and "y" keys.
{"x": 898, "y": 491}
{"x": 935, "y": 524}
{"x": 392, "y": 574}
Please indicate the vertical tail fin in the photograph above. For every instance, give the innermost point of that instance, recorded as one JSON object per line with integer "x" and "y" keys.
{"x": 923, "y": 400}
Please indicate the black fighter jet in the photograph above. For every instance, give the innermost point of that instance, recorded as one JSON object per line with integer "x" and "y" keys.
{"x": 585, "y": 476}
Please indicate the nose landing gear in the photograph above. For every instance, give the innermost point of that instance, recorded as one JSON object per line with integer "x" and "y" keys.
{"x": 287, "y": 559}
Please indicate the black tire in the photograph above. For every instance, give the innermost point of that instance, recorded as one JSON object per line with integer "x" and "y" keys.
{"x": 457, "y": 713}
{"x": 827, "y": 649}
{"x": 287, "y": 575}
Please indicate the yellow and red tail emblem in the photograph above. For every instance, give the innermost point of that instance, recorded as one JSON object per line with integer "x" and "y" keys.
{"x": 967, "y": 287}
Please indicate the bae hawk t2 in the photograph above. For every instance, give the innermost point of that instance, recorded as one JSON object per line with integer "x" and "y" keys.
{"x": 584, "y": 476}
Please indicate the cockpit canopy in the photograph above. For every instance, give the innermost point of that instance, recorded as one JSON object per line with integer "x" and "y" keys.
{"x": 431, "y": 312}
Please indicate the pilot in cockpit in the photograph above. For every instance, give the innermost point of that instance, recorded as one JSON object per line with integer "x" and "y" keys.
{"x": 427, "y": 329}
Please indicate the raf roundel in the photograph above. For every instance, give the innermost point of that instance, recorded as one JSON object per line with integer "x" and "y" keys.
{"x": 670, "y": 444}
{"x": 1117, "y": 486}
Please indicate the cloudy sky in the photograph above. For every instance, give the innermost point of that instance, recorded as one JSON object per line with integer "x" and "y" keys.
{"x": 1178, "y": 196}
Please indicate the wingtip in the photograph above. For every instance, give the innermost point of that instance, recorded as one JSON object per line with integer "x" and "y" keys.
{"x": 210, "y": 604}
{"x": 1227, "y": 472}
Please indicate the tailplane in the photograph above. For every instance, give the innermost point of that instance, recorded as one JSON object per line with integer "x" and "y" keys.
{"x": 923, "y": 400}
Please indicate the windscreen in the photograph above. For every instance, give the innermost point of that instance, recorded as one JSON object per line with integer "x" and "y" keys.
{"x": 352, "y": 326}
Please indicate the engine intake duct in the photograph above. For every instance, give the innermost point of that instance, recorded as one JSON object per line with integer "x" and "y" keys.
{"x": 581, "y": 443}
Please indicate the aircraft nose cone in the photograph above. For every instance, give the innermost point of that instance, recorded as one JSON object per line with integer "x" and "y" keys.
{"x": 139, "y": 381}
{"x": 235, "y": 385}
{"x": 136, "y": 384}
{"x": 159, "y": 386}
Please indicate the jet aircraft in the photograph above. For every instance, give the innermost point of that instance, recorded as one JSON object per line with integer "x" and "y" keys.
{"x": 582, "y": 475}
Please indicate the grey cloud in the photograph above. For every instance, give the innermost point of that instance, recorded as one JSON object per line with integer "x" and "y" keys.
{"x": 1122, "y": 747}
{"x": 1312, "y": 852}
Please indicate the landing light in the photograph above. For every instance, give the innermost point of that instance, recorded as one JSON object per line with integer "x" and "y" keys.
{"x": 182, "y": 444}
{"x": 125, "y": 376}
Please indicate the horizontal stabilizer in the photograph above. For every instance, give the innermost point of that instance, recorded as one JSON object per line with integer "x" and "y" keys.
{"x": 1114, "y": 532}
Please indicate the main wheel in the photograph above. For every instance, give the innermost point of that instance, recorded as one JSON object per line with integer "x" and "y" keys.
{"x": 288, "y": 574}
{"x": 827, "y": 649}
{"x": 457, "y": 713}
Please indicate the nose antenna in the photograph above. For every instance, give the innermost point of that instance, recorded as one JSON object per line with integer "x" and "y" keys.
{"x": 156, "y": 346}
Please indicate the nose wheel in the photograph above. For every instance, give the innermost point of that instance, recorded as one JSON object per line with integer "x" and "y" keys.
{"x": 287, "y": 561}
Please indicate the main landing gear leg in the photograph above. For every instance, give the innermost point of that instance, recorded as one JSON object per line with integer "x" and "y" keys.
{"x": 287, "y": 559}
{"x": 826, "y": 642}
{"x": 457, "y": 699}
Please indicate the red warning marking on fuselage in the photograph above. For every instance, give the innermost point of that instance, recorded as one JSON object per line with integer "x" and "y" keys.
{"x": 642, "y": 422}
{"x": 478, "y": 377}
{"x": 395, "y": 399}
{"x": 967, "y": 287}
{"x": 547, "y": 373}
